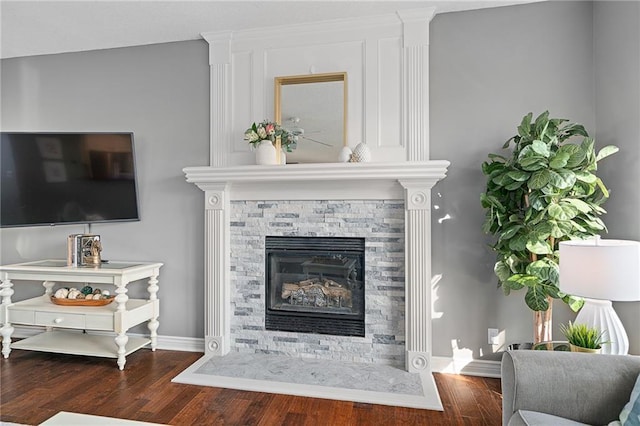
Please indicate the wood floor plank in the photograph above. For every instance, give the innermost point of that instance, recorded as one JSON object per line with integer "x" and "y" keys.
{"x": 34, "y": 386}
{"x": 200, "y": 407}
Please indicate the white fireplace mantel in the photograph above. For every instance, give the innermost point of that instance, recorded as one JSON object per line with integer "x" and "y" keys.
{"x": 411, "y": 181}
{"x": 320, "y": 181}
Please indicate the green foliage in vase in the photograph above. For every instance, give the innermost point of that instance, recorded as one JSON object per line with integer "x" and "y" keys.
{"x": 544, "y": 192}
{"x": 583, "y": 336}
{"x": 268, "y": 130}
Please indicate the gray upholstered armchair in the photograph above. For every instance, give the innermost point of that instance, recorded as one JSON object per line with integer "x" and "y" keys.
{"x": 565, "y": 388}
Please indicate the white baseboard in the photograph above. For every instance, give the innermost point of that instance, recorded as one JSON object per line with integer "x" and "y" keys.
{"x": 466, "y": 366}
{"x": 186, "y": 344}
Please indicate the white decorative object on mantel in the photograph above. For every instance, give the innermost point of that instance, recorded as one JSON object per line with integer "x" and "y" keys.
{"x": 411, "y": 181}
{"x": 345, "y": 154}
{"x": 266, "y": 154}
{"x": 361, "y": 154}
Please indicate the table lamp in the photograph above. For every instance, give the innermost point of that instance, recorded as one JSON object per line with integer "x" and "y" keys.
{"x": 601, "y": 271}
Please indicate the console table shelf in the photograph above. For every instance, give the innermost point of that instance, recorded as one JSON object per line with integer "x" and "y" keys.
{"x": 66, "y": 326}
{"x": 78, "y": 343}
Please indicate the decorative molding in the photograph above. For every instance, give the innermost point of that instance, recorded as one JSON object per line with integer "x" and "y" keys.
{"x": 416, "y": 102}
{"x": 219, "y": 47}
{"x": 326, "y": 181}
{"x": 415, "y": 25}
{"x": 220, "y": 122}
{"x": 418, "y": 279}
{"x": 329, "y": 29}
{"x": 216, "y": 276}
{"x": 415, "y": 43}
{"x": 215, "y": 200}
{"x": 418, "y": 271}
{"x": 418, "y": 198}
{"x": 428, "y": 171}
{"x": 417, "y": 362}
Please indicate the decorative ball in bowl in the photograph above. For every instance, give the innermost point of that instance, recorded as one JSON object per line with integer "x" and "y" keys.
{"x": 87, "y": 296}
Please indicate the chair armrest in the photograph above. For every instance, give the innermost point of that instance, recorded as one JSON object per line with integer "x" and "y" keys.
{"x": 588, "y": 388}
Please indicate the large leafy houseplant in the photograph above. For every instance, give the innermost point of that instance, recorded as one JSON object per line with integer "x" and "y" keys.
{"x": 545, "y": 192}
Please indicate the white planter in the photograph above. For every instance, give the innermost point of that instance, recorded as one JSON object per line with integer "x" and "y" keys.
{"x": 266, "y": 154}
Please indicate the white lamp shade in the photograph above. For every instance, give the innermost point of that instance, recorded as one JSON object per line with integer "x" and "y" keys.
{"x": 601, "y": 269}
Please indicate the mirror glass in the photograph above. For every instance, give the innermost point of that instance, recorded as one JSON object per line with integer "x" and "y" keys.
{"x": 313, "y": 109}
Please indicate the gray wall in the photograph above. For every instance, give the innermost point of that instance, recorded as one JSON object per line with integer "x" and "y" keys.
{"x": 488, "y": 69}
{"x": 617, "y": 66}
{"x": 161, "y": 93}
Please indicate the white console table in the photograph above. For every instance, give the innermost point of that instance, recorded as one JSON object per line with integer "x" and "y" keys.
{"x": 65, "y": 326}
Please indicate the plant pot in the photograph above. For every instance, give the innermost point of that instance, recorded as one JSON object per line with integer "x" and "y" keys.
{"x": 266, "y": 154}
{"x": 575, "y": 348}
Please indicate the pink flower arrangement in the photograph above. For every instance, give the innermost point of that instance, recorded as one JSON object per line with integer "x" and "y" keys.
{"x": 268, "y": 130}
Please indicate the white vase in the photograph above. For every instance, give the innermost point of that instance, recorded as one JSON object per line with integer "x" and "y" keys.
{"x": 283, "y": 157}
{"x": 266, "y": 154}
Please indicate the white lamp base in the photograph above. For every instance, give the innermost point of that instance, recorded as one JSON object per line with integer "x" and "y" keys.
{"x": 600, "y": 314}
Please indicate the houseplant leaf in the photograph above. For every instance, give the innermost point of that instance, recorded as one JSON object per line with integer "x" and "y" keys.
{"x": 606, "y": 151}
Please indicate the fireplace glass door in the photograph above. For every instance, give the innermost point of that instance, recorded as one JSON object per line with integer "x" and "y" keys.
{"x": 315, "y": 285}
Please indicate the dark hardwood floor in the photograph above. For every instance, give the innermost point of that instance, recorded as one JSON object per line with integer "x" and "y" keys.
{"x": 35, "y": 386}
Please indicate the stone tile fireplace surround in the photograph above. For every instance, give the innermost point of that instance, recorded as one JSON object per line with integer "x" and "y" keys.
{"x": 386, "y": 203}
{"x": 381, "y": 222}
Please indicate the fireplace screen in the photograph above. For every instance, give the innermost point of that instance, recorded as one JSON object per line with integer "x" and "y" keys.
{"x": 315, "y": 285}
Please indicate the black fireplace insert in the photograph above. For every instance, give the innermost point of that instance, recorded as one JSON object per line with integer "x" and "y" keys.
{"x": 315, "y": 285}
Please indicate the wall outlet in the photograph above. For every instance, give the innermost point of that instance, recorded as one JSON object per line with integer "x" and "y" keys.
{"x": 493, "y": 336}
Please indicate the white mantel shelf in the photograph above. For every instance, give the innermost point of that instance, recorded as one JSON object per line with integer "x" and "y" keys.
{"x": 318, "y": 180}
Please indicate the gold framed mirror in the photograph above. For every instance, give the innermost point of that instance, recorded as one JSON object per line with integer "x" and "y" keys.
{"x": 314, "y": 109}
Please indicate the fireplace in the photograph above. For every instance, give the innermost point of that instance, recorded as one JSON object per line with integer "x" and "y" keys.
{"x": 315, "y": 285}
{"x": 389, "y": 203}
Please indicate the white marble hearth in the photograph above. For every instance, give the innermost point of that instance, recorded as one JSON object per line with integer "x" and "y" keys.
{"x": 347, "y": 381}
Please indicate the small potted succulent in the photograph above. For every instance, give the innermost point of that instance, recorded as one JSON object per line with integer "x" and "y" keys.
{"x": 583, "y": 338}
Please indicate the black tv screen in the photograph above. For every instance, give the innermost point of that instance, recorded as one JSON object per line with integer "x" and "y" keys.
{"x": 67, "y": 178}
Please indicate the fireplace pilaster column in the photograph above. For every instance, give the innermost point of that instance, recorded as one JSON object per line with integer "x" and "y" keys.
{"x": 220, "y": 99}
{"x": 217, "y": 314}
{"x": 418, "y": 274}
{"x": 415, "y": 57}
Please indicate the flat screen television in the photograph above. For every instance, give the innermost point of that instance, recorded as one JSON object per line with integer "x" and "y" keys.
{"x": 67, "y": 178}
